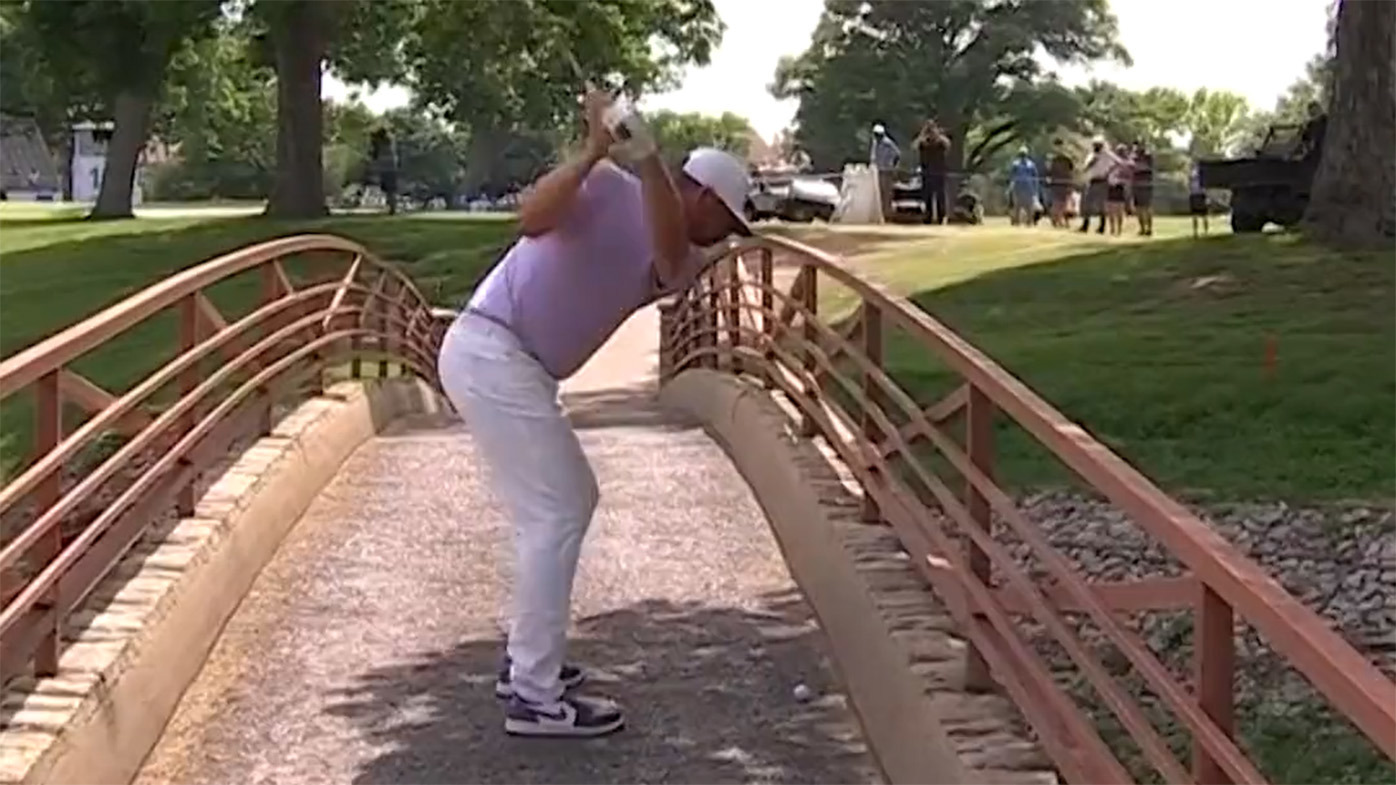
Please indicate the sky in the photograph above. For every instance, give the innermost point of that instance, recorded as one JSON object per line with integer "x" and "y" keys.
{"x": 1256, "y": 48}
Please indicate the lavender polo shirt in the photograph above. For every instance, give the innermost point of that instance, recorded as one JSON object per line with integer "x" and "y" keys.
{"x": 565, "y": 292}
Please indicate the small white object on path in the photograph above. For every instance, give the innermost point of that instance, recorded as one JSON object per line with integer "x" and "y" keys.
{"x": 803, "y": 693}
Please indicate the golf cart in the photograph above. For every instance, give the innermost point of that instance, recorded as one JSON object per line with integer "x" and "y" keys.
{"x": 910, "y": 206}
{"x": 791, "y": 198}
{"x": 1272, "y": 186}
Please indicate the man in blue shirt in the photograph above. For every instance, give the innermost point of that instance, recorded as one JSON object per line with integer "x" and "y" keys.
{"x": 1023, "y": 187}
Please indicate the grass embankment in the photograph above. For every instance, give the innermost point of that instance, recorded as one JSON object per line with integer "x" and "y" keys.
{"x": 56, "y": 269}
{"x": 1159, "y": 348}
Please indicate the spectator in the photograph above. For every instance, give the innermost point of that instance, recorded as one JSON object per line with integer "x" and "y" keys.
{"x": 1061, "y": 177}
{"x": 884, "y": 156}
{"x": 1098, "y": 167}
{"x": 1023, "y": 180}
{"x": 933, "y": 147}
{"x": 1311, "y": 137}
{"x": 1142, "y": 189}
{"x": 1117, "y": 191}
{"x": 1197, "y": 200}
{"x": 383, "y": 166}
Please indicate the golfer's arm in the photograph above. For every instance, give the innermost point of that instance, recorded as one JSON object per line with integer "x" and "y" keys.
{"x": 664, "y": 210}
{"x": 553, "y": 194}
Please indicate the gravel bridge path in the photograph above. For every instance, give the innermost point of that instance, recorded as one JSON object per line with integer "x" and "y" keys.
{"x": 367, "y": 649}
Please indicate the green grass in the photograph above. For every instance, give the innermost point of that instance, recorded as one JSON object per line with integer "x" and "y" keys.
{"x": 56, "y": 269}
{"x": 1158, "y": 348}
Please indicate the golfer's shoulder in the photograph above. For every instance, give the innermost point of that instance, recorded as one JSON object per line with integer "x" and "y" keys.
{"x": 610, "y": 181}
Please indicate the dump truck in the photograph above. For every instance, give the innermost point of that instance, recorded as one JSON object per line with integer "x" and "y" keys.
{"x": 1271, "y": 186}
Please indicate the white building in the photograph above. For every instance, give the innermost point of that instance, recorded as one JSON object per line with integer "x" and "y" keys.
{"x": 90, "y": 160}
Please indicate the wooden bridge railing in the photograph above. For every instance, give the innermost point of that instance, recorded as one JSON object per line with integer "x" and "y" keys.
{"x": 204, "y": 380}
{"x": 735, "y": 318}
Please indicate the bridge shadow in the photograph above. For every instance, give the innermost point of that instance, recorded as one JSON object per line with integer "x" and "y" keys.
{"x": 708, "y": 694}
{"x": 633, "y": 406}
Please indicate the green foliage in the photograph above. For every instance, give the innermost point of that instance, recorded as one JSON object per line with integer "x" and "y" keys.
{"x": 970, "y": 63}
{"x": 1216, "y": 121}
{"x": 107, "y": 46}
{"x": 219, "y": 113}
{"x": 27, "y": 86}
{"x": 429, "y": 155}
{"x": 515, "y": 70}
{"x": 1314, "y": 86}
{"x": 676, "y": 133}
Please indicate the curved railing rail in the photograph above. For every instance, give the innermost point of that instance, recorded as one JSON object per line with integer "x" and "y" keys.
{"x": 311, "y": 304}
{"x": 739, "y": 321}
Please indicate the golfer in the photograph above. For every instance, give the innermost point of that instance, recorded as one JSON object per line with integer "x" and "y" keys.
{"x": 598, "y": 243}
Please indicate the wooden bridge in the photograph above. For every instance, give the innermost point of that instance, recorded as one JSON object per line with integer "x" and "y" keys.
{"x": 273, "y": 555}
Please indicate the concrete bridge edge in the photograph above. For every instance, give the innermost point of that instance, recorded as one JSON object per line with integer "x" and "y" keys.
{"x": 142, "y": 637}
{"x": 899, "y": 720}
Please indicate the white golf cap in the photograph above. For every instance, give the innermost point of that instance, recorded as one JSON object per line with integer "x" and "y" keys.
{"x": 879, "y": 130}
{"x": 726, "y": 176}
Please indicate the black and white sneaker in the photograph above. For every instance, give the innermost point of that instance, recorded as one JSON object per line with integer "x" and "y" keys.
{"x": 571, "y": 678}
{"x": 573, "y": 716}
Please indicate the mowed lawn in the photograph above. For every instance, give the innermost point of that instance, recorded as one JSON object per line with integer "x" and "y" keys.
{"x": 1159, "y": 348}
{"x": 56, "y": 269}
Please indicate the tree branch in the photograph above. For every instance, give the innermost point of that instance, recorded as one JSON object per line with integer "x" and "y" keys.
{"x": 988, "y": 146}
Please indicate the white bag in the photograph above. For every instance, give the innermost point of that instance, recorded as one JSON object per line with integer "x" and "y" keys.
{"x": 860, "y": 199}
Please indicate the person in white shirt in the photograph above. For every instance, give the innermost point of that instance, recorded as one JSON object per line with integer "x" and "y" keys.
{"x": 1098, "y": 168}
{"x": 884, "y": 155}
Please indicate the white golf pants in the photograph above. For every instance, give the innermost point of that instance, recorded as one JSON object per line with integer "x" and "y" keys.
{"x": 510, "y": 405}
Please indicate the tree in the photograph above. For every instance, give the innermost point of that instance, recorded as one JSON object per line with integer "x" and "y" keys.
{"x": 966, "y": 62}
{"x": 219, "y": 114}
{"x": 1351, "y": 203}
{"x": 348, "y": 126}
{"x": 1154, "y": 116}
{"x": 676, "y": 133}
{"x": 1216, "y": 121}
{"x": 430, "y": 155}
{"x": 1292, "y": 108}
{"x": 118, "y": 50}
{"x": 516, "y": 74}
{"x": 361, "y": 41}
{"x": 27, "y": 85}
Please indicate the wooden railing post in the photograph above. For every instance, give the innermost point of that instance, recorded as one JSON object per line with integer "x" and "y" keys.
{"x": 708, "y": 324}
{"x": 768, "y": 300}
{"x": 872, "y": 435}
{"x": 979, "y": 444}
{"x": 666, "y": 339}
{"x": 271, "y": 292}
{"x": 734, "y": 313}
{"x": 48, "y": 431}
{"x": 382, "y": 313}
{"x": 809, "y": 298}
{"x": 1214, "y": 660}
{"x": 188, "y": 380}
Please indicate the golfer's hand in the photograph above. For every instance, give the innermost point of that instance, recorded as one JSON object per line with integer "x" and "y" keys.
{"x": 635, "y": 143}
{"x": 599, "y": 138}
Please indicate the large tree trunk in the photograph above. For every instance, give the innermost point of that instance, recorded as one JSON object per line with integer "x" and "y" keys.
{"x": 131, "y": 111}
{"x": 1352, "y": 203}
{"x": 299, "y": 39}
